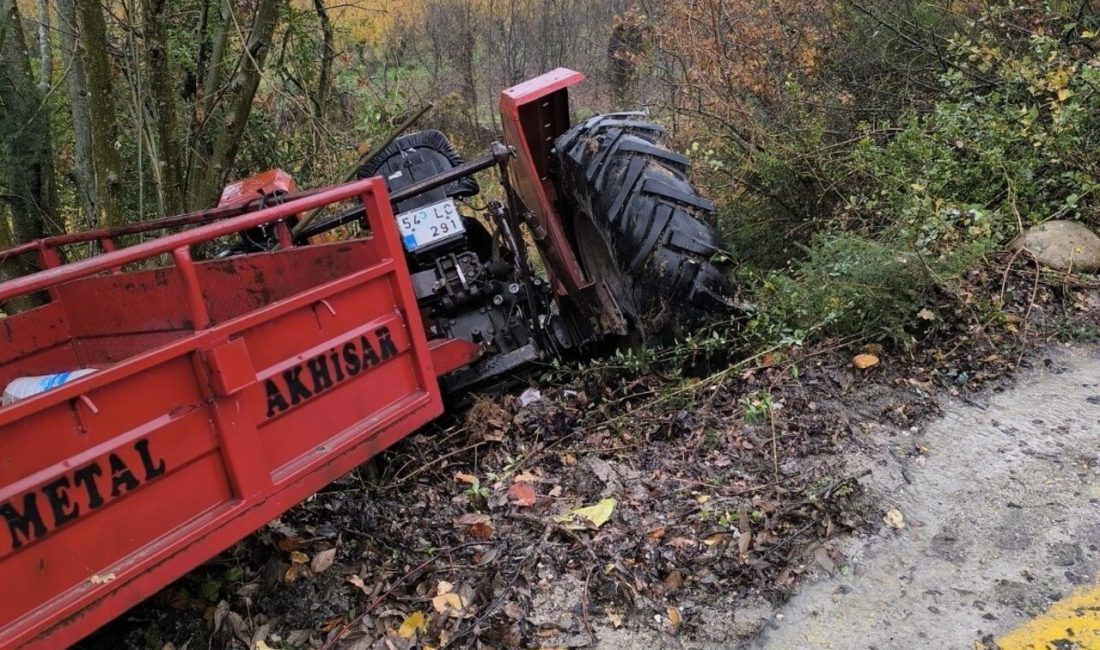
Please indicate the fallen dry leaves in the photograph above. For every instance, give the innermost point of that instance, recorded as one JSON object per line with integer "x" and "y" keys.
{"x": 522, "y": 494}
{"x": 864, "y": 361}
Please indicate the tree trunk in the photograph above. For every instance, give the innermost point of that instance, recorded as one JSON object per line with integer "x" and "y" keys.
{"x": 327, "y": 56}
{"x": 206, "y": 183}
{"x": 25, "y": 130}
{"x": 92, "y": 35}
{"x": 466, "y": 64}
{"x": 83, "y": 169}
{"x": 210, "y": 80}
{"x": 25, "y": 151}
{"x": 45, "y": 48}
{"x": 161, "y": 102}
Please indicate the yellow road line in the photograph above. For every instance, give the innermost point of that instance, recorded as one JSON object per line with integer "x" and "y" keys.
{"x": 1071, "y": 623}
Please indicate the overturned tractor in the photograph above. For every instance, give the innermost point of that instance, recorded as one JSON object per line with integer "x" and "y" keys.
{"x": 161, "y": 407}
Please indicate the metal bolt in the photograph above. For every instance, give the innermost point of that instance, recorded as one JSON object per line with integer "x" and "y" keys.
{"x": 498, "y": 300}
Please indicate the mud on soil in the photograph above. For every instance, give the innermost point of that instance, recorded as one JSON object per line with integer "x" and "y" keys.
{"x": 727, "y": 490}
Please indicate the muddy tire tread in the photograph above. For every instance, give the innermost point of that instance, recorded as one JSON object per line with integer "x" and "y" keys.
{"x": 618, "y": 169}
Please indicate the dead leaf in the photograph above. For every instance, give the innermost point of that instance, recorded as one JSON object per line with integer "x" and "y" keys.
{"x": 101, "y": 578}
{"x": 298, "y": 557}
{"x": 522, "y": 495}
{"x": 485, "y": 558}
{"x": 526, "y": 477}
{"x": 864, "y": 361}
{"x": 413, "y": 623}
{"x": 478, "y": 525}
{"x": 293, "y": 572}
{"x": 290, "y": 543}
{"x": 358, "y": 582}
{"x": 743, "y": 544}
{"x": 220, "y": 612}
{"x": 297, "y": 638}
{"x": 472, "y": 518}
{"x": 481, "y": 531}
{"x": 514, "y": 611}
{"x": 716, "y": 539}
{"x": 681, "y": 543}
{"x": 926, "y": 314}
{"x": 322, "y": 560}
{"x": 596, "y": 515}
{"x": 784, "y": 578}
{"x": 467, "y": 478}
{"x": 675, "y": 618}
{"x": 656, "y": 534}
{"x": 447, "y": 603}
{"x": 673, "y": 581}
{"x": 894, "y": 519}
{"x": 615, "y": 619}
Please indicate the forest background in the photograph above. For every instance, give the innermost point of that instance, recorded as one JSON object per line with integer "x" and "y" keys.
{"x": 865, "y": 155}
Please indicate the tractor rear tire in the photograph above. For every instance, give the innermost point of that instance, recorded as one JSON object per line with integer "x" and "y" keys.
{"x": 629, "y": 189}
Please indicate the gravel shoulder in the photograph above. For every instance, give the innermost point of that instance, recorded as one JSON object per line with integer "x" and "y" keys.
{"x": 1002, "y": 518}
{"x": 1001, "y": 513}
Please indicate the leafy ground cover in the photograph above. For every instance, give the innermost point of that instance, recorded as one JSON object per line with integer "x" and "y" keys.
{"x": 630, "y": 491}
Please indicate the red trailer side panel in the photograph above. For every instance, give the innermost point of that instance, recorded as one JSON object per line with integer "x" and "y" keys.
{"x": 189, "y": 438}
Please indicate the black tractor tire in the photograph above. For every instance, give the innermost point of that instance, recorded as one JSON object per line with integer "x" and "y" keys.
{"x": 624, "y": 185}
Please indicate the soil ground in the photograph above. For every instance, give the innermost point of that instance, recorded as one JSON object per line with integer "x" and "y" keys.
{"x": 1001, "y": 515}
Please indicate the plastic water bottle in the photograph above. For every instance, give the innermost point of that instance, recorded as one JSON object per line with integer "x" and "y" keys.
{"x": 25, "y": 387}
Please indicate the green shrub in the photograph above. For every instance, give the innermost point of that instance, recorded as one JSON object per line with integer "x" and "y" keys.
{"x": 1013, "y": 140}
{"x": 853, "y": 286}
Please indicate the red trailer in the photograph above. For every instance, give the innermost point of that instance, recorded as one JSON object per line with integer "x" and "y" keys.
{"x": 226, "y": 392}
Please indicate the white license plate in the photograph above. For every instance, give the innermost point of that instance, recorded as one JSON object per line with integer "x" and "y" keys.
{"x": 429, "y": 224}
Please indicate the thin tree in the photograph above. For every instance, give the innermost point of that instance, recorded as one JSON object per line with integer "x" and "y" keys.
{"x": 98, "y": 166}
{"x": 215, "y": 148}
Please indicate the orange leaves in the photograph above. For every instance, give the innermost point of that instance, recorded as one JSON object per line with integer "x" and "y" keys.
{"x": 743, "y": 52}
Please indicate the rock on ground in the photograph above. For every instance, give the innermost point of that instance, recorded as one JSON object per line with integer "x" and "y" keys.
{"x": 1062, "y": 245}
